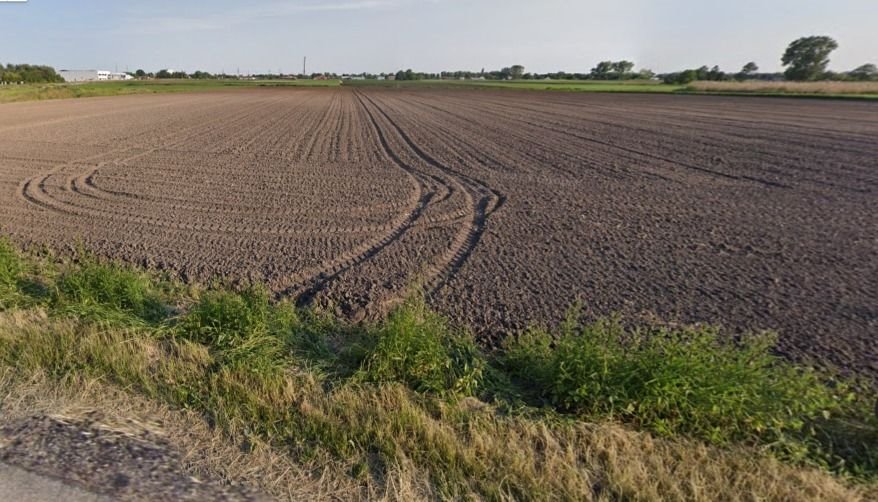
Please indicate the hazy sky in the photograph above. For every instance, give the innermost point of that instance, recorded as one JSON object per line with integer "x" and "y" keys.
{"x": 427, "y": 35}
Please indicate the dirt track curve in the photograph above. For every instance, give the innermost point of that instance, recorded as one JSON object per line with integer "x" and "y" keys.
{"x": 505, "y": 207}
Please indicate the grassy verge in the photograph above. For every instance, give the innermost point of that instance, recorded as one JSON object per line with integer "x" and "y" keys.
{"x": 857, "y": 90}
{"x": 412, "y": 401}
{"x": 837, "y": 90}
{"x": 36, "y": 92}
{"x": 529, "y": 85}
{"x": 843, "y": 90}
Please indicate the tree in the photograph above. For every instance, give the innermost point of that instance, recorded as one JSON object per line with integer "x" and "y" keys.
{"x": 716, "y": 74}
{"x": 11, "y": 77}
{"x": 32, "y": 74}
{"x": 622, "y": 68}
{"x": 683, "y": 77}
{"x": 749, "y": 69}
{"x": 603, "y": 70}
{"x": 645, "y": 74}
{"x": 409, "y": 75}
{"x": 163, "y": 74}
{"x": 702, "y": 73}
{"x": 807, "y": 57}
{"x": 516, "y": 71}
{"x": 866, "y": 72}
{"x": 140, "y": 74}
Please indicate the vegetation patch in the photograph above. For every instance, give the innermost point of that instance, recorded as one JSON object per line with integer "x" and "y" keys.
{"x": 821, "y": 88}
{"x": 45, "y": 91}
{"x": 414, "y": 391}
{"x": 416, "y": 347}
{"x": 695, "y": 382}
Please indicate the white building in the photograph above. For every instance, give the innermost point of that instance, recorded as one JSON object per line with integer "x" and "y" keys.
{"x": 92, "y": 75}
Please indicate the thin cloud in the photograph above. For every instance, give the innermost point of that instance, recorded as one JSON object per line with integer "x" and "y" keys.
{"x": 226, "y": 19}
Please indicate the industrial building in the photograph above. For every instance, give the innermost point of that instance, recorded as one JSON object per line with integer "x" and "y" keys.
{"x": 92, "y": 75}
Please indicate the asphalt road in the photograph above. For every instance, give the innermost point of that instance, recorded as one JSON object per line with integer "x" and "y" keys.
{"x": 24, "y": 486}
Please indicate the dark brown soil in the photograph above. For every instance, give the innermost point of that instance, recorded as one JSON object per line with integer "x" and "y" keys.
{"x": 505, "y": 207}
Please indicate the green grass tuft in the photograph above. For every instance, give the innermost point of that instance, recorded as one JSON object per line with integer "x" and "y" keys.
{"x": 242, "y": 329}
{"x": 109, "y": 292}
{"x": 19, "y": 288}
{"x": 416, "y": 347}
{"x": 11, "y": 270}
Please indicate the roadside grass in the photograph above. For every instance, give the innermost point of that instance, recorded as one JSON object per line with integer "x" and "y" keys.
{"x": 696, "y": 383}
{"x": 552, "y": 416}
{"x": 867, "y": 90}
{"x": 38, "y": 92}
{"x": 839, "y": 90}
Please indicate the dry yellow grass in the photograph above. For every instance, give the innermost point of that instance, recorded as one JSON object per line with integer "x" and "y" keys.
{"x": 755, "y": 86}
{"x": 495, "y": 455}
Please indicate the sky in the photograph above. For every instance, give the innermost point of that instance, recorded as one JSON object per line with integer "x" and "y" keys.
{"x": 353, "y": 36}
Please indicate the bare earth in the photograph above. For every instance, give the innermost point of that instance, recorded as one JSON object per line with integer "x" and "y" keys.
{"x": 505, "y": 207}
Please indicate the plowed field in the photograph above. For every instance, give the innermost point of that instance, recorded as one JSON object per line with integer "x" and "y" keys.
{"x": 504, "y": 207}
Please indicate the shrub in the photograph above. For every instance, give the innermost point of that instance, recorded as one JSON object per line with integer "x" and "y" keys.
{"x": 682, "y": 381}
{"x": 416, "y": 347}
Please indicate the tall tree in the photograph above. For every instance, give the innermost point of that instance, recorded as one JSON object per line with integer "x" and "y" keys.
{"x": 516, "y": 71}
{"x": 807, "y": 57}
{"x": 622, "y": 68}
{"x": 749, "y": 69}
{"x": 603, "y": 70}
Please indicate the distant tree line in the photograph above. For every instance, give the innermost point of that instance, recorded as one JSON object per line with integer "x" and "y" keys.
{"x": 29, "y": 74}
{"x": 806, "y": 59}
{"x": 606, "y": 70}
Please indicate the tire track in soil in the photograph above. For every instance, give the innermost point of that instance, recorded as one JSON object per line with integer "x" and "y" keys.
{"x": 34, "y": 189}
{"x": 85, "y": 185}
{"x": 485, "y": 202}
{"x": 308, "y": 284}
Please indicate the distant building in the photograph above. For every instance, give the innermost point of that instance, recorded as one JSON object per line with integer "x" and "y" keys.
{"x": 78, "y": 75}
{"x": 92, "y": 75}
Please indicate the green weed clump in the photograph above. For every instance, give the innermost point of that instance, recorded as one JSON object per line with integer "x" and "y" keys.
{"x": 108, "y": 292}
{"x": 240, "y": 328}
{"x": 11, "y": 269}
{"x": 416, "y": 347}
{"x": 687, "y": 381}
{"x": 19, "y": 287}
